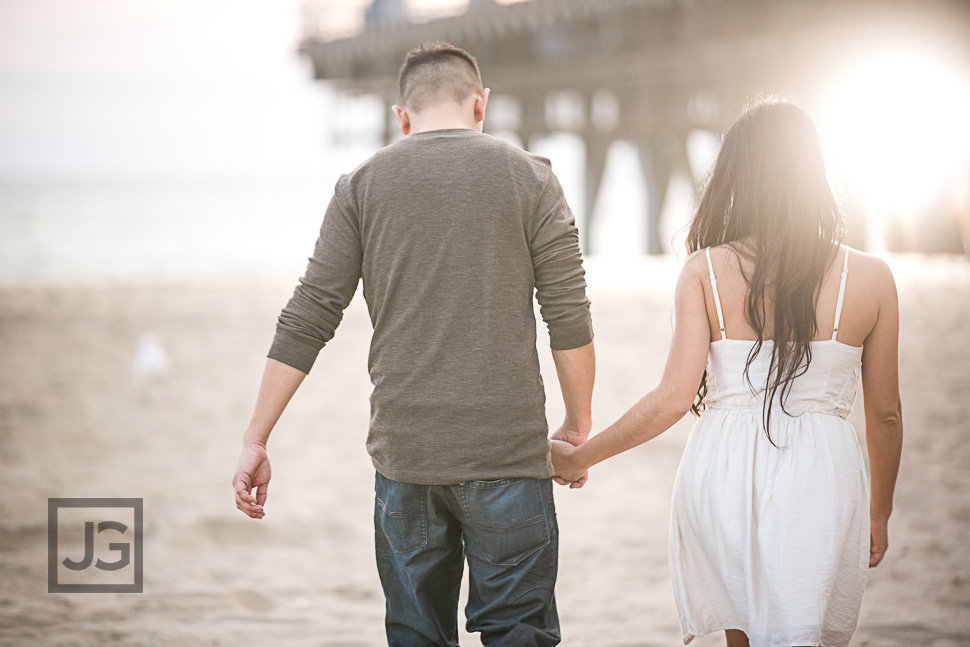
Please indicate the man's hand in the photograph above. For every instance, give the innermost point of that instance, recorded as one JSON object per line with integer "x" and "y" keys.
{"x": 280, "y": 382}
{"x": 253, "y": 471}
{"x": 571, "y": 434}
{"x": 566, "y": 464}
{"x": 574, "y": 435}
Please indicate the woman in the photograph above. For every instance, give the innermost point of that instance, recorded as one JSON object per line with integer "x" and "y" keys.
{"x": 772, "y": 529}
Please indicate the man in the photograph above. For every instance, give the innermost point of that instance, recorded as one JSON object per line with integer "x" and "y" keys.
{"x": 452, "y": 231}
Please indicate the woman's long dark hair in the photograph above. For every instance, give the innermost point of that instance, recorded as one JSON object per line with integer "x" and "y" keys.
{"x": 769, "y": 199}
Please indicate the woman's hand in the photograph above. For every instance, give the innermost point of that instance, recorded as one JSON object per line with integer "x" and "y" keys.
{"x": 574, "y": 435}
{"x": 567, "y": 465}
{"x": 878, "y": 540}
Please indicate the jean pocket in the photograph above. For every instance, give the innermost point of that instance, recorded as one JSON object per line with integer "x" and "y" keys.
{"x": 508, "y": 518}
{"x": 401, "y": 511}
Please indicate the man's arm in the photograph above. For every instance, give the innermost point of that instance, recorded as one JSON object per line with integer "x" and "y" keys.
{"x": 576, "y": 369}
{"x": 279, "y": 384}
{"x": 305, "y": 325}
{"x": 313, "y": 313}
{"x": 561, "y": 292}
{"x": 557, "y": 264}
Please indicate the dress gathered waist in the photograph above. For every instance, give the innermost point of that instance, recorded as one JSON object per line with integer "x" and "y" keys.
{"x": 824, "y": 408}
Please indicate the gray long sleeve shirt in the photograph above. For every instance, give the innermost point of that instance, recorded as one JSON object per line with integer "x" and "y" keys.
{"x": 452, "y": 232}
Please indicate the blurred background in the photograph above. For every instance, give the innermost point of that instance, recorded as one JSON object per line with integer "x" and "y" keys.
{"x": 220, "y": 127}
{"x": 164, "y": 167}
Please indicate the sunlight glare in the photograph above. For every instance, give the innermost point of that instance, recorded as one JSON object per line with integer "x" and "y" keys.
{"x": 898, "y": 128}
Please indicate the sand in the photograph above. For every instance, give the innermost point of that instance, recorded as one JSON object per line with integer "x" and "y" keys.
{"x": 73, "y": 423}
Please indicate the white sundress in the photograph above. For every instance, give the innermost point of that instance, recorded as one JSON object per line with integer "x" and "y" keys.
{"x": 773, "y": 541}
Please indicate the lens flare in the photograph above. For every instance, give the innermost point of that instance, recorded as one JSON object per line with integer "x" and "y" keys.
{"x": 898, "y": 128}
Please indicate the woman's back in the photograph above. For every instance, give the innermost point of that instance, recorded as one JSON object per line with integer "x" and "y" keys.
{"x": 829, "y": 382}
{"x": 861, "y": 297}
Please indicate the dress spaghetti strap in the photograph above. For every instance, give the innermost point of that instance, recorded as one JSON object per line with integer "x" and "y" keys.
{"x": 838, "y": 306}
{"x": 717, "y": 298}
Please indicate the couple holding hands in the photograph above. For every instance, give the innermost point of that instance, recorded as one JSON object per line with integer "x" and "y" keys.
{"x": 773, "y": 523}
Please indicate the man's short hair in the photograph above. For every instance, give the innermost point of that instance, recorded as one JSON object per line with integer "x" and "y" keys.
{"x": 436, "y": 72}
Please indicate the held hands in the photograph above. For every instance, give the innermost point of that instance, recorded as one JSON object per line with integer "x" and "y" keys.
{"x": 253, "y": 471}
{"x": 572, "y": 433}
{"x": 564, "y": 441}
{"x": 567, "y": 466}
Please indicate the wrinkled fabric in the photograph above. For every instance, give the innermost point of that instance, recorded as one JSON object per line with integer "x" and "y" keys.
{"x": 773, "y": 541}
{"x": 452, "y": 233}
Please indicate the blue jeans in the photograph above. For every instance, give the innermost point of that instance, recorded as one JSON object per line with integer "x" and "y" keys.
{"x": 507, "y": 530}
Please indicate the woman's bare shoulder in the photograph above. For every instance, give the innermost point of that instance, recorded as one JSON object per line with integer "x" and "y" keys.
{"x": 695, "y": 265}
{"x": 693, "y": 272}
{"x": 694, "y": 258}
{"x": 871, "y": 271}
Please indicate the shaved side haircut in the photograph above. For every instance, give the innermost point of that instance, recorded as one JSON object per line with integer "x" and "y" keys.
{"x": 436, "y": 72}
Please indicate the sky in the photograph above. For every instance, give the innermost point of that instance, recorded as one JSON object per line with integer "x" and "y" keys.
{"x": 163, "y": 88}
{"x": 133, "y": 88}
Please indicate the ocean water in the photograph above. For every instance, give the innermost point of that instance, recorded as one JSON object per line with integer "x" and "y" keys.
{"x": 97, "y": 232}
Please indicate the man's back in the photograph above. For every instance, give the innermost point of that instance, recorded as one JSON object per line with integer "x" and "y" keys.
{"x": 451, "y": 231}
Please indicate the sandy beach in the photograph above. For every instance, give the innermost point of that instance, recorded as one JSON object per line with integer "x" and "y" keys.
{"x": 74, "y": 423}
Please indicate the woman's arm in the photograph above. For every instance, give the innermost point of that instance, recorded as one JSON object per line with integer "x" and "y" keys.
{"x": 883, "y": 409}
{"x": 666, "y": 404}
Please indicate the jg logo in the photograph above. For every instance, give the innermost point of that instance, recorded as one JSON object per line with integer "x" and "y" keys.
{"x": 94, "y": 545}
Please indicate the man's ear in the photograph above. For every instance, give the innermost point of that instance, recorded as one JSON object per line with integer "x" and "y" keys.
{"x": 402, "y": 119}
{"x": 480, "y": 101}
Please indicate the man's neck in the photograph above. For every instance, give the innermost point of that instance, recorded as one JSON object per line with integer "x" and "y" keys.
{"x": 429, "y": 126}
{"x": 445, "y": 117}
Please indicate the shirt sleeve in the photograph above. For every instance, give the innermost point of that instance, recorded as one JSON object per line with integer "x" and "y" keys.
{"x": 313, "y": 313}
{"x": 557, "y": 263}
